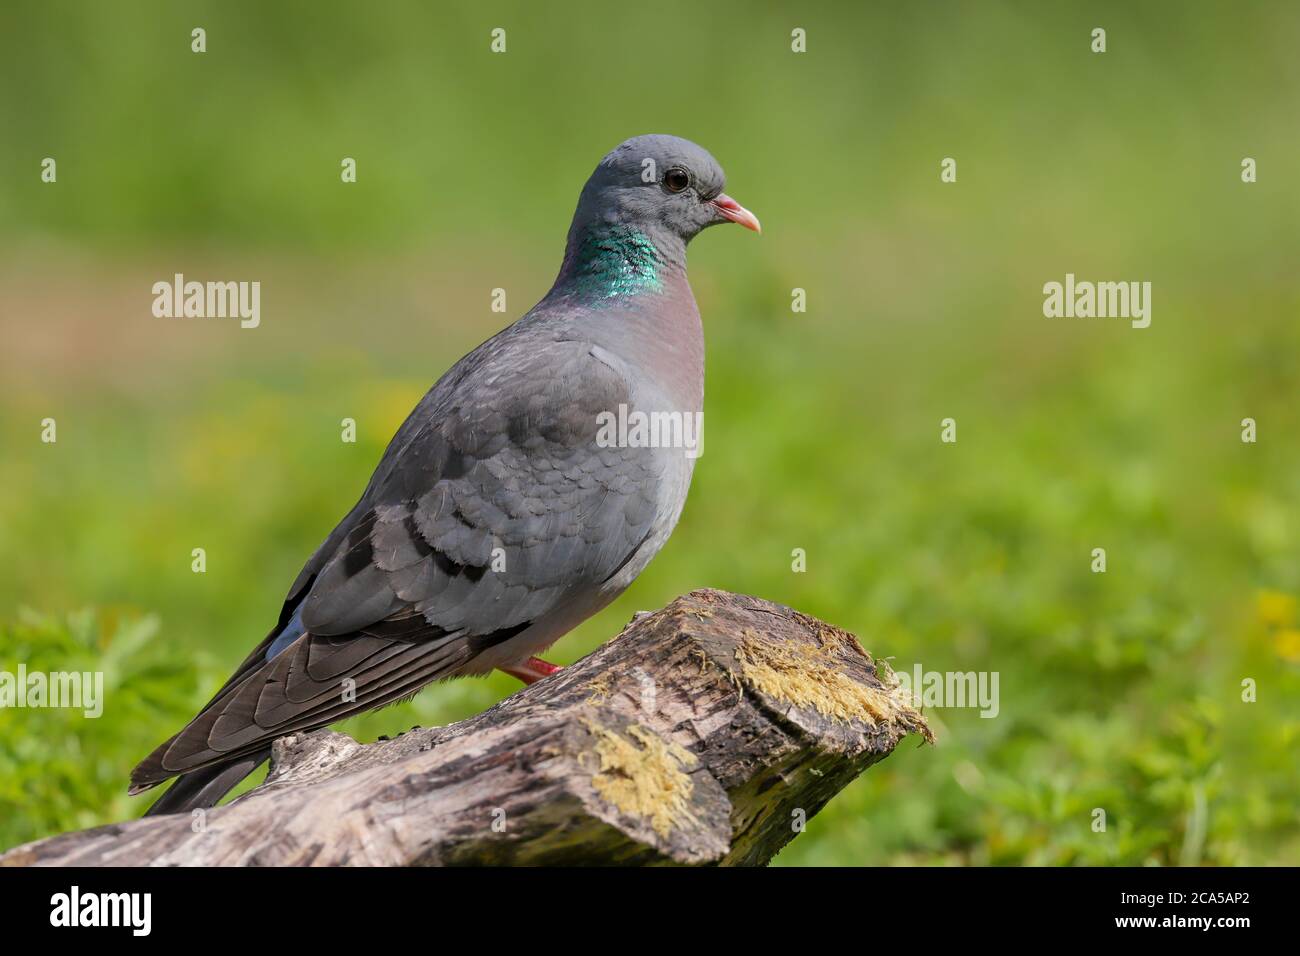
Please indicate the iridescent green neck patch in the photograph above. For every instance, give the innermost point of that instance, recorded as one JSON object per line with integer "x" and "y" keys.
{"x": 614, "y": 263}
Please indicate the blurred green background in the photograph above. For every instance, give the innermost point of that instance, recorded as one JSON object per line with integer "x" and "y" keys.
{"x": 1119, "y": 690}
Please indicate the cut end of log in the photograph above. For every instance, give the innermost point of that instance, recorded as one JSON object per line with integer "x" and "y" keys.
{"x": 704, "y": 733}
{"x": 813, "y": 666}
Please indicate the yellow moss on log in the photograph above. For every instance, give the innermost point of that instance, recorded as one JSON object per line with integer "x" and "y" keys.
{"x": 599, "y": 690}
{"x": 645, "y": 781}
{"x": 807, "y": 676}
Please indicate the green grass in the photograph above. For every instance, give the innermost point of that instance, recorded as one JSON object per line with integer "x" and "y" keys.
{"x": 1119, "y": 691}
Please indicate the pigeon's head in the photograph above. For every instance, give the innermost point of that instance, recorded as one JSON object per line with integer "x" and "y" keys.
{"x": 662, "y": 186}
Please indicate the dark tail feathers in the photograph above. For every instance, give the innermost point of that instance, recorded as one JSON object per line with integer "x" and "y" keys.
{"x": 201, "y": 789}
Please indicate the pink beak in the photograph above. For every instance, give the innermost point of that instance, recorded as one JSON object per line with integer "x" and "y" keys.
{"x": 736, "y": 212}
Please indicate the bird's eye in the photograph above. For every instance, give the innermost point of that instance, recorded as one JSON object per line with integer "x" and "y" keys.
{"x": 675, "y": 180}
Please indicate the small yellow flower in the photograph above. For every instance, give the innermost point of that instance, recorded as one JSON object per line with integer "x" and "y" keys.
{"x": 1275, "y": 609}
{"x": 1287, "y": 643}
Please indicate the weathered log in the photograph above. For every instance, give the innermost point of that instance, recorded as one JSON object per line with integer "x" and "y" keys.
{"x": 702, "y": 734}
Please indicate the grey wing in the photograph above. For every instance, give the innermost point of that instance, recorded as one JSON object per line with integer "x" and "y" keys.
{"x": 498, "y": 508}
{"x": 492, "y": 508}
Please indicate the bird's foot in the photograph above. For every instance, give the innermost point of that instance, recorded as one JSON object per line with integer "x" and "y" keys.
{"x": 531, "y": 670}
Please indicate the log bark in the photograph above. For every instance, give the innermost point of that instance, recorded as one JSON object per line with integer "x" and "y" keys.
{"x": 705, "y": 733}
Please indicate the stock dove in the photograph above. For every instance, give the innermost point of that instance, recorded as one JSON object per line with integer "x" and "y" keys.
{"x": 501, "y": 514}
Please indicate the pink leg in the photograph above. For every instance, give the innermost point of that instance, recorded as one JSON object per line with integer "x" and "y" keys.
{"x": 531, "y": 670}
